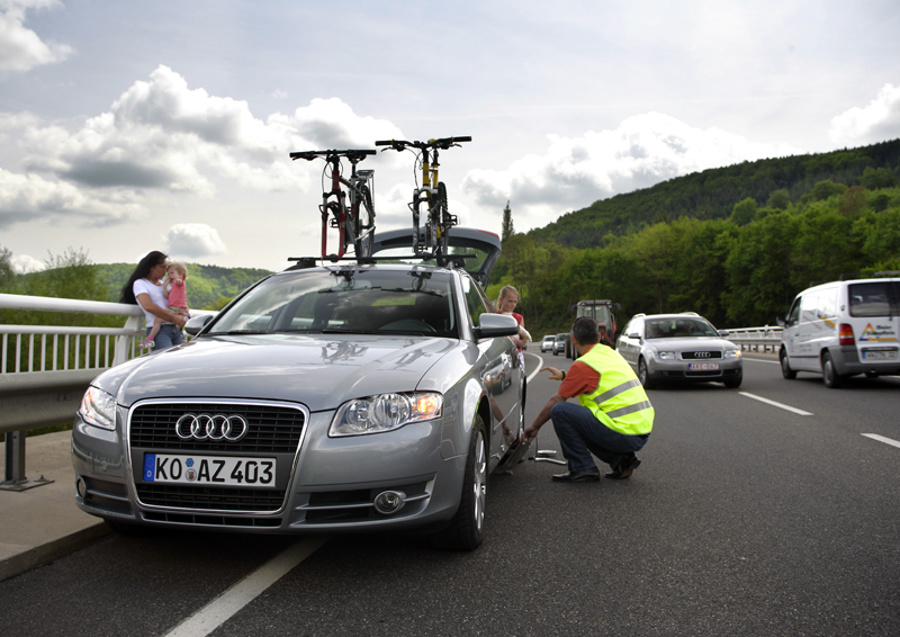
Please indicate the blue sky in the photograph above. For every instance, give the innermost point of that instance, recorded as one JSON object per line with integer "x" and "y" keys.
{"x": 132, "y": 126}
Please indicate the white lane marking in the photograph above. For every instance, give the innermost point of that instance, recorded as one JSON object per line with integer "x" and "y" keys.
{"x": 775, "y": 404}
{"x": 887, "y": 441}
{"x": 761, "y": 360}
{"x": 221, "y": 609}
{"x": 536, "y": 369}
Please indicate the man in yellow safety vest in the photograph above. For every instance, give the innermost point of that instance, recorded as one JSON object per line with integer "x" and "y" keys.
{"x": 613, "y": 419}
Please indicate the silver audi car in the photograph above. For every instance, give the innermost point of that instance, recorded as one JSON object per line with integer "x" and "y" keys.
{"x": 679, "y": 347}
{"x": 347, "y": 397}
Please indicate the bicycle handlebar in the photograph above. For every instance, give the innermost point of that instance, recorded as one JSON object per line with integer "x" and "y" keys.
{"x": 442, "y": 143}
{"x": 352, "y": 155}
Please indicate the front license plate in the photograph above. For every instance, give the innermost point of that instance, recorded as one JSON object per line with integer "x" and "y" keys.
{"x": 703, "y": 367}
{"x": 879, "y": 355}
{"x": 225, "y": 471}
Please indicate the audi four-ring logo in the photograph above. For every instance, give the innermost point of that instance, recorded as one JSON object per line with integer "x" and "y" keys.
{"x": 212, "y": 427}
{"x": 702, "y": 354}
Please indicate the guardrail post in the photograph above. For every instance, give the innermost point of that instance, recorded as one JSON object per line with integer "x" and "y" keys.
{"x": 15, "y": 479}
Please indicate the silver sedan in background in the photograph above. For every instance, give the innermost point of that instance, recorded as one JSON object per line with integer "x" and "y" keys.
{"x": 679, "y": 347}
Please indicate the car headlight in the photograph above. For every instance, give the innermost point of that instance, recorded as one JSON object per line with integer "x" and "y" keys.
{"x": 98, "y": 408}
{"x": 665, "y": 356}
{"x": 732, "y": 353}
{"x": 385, "y": 412}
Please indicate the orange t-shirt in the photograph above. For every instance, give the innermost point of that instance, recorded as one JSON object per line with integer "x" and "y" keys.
{"x": 580, "y": 378}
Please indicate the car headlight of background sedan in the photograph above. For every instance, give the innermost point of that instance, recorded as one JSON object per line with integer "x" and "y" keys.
{"x": 98, "y": 408}
{"x": 385, "y": 412}
{"x": 665, "y": 356}
{"x": 732, "y": 353}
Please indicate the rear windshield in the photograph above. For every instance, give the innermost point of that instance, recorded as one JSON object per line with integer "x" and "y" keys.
{"x": 878, "y": 298}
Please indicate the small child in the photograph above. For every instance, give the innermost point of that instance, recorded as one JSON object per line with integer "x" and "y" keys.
{"x": 176, "y": 295}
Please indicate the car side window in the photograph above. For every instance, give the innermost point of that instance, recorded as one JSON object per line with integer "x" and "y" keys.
{"x": 476, "y": 303}
{"x": 794, "y": 314}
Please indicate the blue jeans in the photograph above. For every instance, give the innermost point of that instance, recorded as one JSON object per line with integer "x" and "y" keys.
{"x": 580, "y": 435}
{"x": 168, "y": 336}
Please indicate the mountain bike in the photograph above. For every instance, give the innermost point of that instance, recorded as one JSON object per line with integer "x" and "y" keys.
{"x": 355, "y": 223}
{"x": 432, "y": 194}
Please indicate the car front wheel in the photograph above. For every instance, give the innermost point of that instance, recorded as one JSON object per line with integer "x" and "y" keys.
{"x": 786, "y": 370}
{"x": 644, "y": 374}
{"x": 466, "y": 530}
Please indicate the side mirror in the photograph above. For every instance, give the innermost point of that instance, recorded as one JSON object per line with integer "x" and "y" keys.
{"x": 494, "y": 325}
{"x": 197, "y": 323}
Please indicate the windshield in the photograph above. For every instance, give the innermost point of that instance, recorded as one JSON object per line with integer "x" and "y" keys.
{"x": 679, "y": 327}
{"x": 414, "y": 301}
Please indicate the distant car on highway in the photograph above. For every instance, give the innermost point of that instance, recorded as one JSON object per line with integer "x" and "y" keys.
{"x": 547, "y": 343}
{"x": 679, "y": 347}
{"x": 559, "y": 345}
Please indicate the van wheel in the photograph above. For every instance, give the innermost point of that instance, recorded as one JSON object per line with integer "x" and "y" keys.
{"x": 786, "y": 370}
{"x": 829, "y": 373}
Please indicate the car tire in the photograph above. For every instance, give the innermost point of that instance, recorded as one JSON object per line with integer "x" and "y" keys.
{"x": 830, "y": 376}
{"x": 466, "y": 530}
{"x": 644, "y": 374}
{"x": 734, "y": 383}
{"x": 786, "y": 370}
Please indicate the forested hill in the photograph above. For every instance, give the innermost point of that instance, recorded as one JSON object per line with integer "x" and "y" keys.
{"x": 713, "y": 193}
{"x": 208, "y": 286}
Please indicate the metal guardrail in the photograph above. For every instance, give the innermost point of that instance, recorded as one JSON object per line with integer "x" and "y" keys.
{"x": 45, "y": 369}
{"x": 766, "y": 338}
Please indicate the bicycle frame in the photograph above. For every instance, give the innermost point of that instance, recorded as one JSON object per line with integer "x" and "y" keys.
{"x": 336, "y": 213}
{"x": 432, "y": 191}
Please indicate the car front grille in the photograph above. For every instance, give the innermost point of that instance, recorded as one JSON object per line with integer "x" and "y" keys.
{"x": 274, "y": 430}
{"x": 704, "y": 355}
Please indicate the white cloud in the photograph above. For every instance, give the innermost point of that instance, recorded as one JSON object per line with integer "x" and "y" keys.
{"x": 876, "y": 122}
{"x": 28, "y": 197}
{"x": 574, "y": 172}
{"x": 194, "y": 240}
{"x": 21, "y": 49}
{"x": 23, "y": 263}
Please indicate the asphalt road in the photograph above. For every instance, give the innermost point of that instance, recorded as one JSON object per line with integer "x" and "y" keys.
{"x": 745, "y": 518}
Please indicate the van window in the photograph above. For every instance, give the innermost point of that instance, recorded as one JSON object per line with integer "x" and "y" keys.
{"x": 879, "y": 298}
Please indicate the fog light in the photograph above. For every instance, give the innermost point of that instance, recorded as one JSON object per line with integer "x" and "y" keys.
{"x": 388, "y": 502}
{"x": 81, "y": 488}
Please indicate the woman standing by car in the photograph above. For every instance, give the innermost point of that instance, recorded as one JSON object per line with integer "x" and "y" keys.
{"x": 144, "y": 288}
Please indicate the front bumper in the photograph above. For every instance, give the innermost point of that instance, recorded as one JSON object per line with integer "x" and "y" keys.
{"x": 323, "y": 485}
{"x": 680, "y": 370}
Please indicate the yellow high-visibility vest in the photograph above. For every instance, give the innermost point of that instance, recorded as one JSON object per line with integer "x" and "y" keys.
{"x": 620, "y": 401}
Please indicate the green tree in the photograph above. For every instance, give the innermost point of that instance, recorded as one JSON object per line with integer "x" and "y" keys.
{"x": 7, "y": 273}
{"x": 744, "y": 211}
{"x": 875, "y": 178}
{"x": 508, "y": 229}
{"x": 779, "y": 199}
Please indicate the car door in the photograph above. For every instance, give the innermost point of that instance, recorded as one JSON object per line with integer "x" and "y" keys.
{"x": 500, "y": 368}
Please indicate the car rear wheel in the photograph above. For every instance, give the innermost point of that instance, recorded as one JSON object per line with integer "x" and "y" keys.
{"x": 734, "y": 383}
{"x": 829, "y": 374}
{"x": 786, "y": 370}
{"x": 466, "y": 530}
{"x": 644, "y": 374}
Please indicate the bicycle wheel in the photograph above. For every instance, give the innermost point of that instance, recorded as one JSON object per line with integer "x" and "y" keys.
{"x": 442, "y": 221}
{"x": 332, "y": 217}
{"x": 415, "y": 228}
{"x": 363, "y": 223}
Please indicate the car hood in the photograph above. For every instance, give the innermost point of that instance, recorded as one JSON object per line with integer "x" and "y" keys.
{"x": 687, "y": 344}
{"x": 319, "y": 371}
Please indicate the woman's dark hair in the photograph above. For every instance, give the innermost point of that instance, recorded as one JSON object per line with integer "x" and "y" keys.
{"x": 142, "y": 271}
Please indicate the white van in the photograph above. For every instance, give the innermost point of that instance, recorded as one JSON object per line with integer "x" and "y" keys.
{"x": 843, "y": 328}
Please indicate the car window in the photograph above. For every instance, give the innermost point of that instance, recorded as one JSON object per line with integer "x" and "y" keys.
{"x": 678, "y": 327}
{"x": 873, "y": 299}
{"x": 415, "y": 301}
{"x": 476, "y": 303}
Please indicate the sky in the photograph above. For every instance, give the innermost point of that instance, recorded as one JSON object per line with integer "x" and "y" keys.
{"x": 167, "y": 125}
